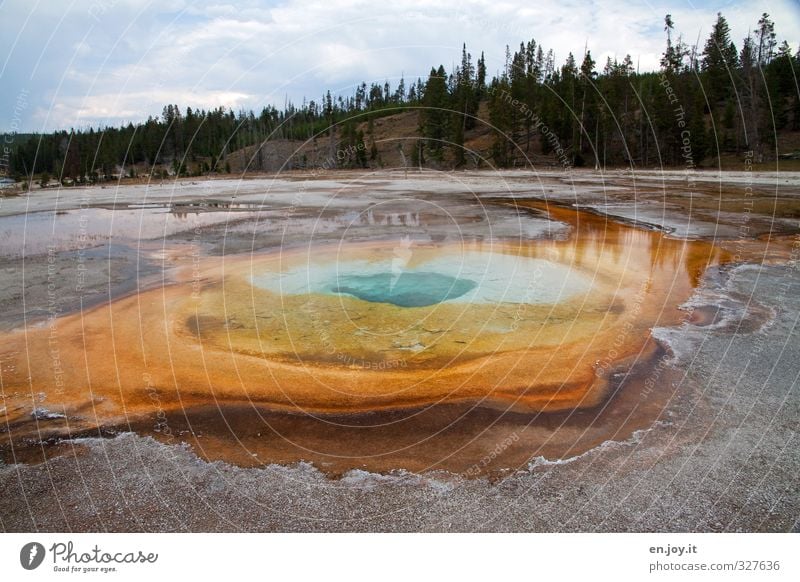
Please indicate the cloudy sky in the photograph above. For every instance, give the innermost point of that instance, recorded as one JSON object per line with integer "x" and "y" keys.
{"x": 75, "y": 63}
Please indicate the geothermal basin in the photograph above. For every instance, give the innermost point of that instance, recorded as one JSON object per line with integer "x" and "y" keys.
{"x": 401, "y": 349}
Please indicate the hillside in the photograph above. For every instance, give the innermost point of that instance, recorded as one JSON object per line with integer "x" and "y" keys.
{"x": 392, "y": 133}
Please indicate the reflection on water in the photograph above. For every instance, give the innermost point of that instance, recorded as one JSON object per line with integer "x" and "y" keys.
{"x": 34, "y": 233}
{"x": 229, "y": 226}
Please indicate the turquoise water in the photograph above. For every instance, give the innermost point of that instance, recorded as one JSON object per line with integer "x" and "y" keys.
{"x": 468, "y": 277}
{"x": 408, "y": 289}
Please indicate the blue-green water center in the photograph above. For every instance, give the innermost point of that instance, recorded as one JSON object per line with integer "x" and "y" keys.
{"x": 407, "y": 289}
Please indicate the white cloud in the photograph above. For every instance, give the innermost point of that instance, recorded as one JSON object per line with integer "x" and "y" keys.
{"x": 118, "y": 108}
{"x": 142, "y": 54}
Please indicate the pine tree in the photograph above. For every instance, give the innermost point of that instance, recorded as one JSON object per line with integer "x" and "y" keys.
{"x": 674, "y": 55}
{"x": 766, "y": 40}
{"x": 502, "y": 119}
{"x": 435, "y": 115}
{"x": 480, "y": 88}
{"x": 719, "y": 62}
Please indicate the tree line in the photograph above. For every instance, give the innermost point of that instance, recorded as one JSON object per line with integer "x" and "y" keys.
{"x": 726, "y": 99}
{"x": 716, "y": 97}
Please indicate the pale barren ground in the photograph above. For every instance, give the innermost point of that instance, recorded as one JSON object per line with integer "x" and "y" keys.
{"x": 721, "y": 455}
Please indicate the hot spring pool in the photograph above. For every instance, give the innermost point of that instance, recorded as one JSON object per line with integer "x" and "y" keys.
{"x": 427, "y": 278}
